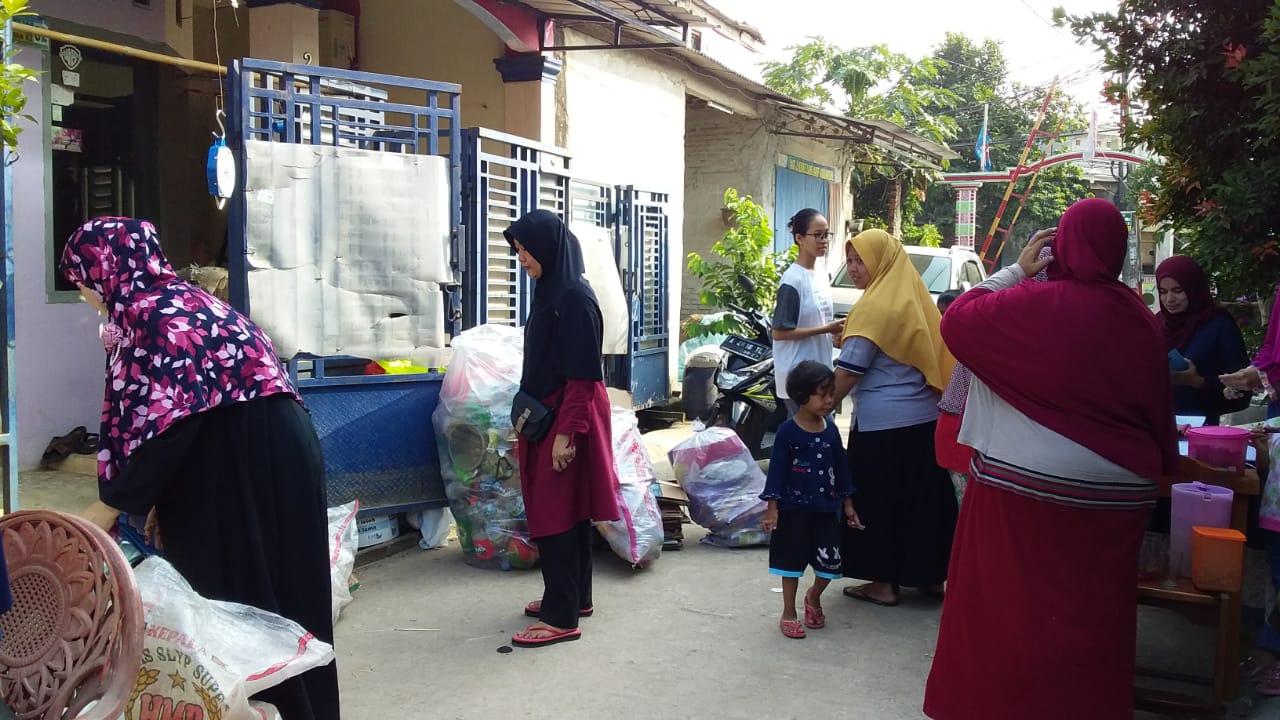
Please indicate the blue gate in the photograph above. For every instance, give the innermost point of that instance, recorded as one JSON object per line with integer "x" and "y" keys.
{"x": 375, "y": 430}
{"x": 643, "y": 238}
{"x": 503, "y": 177}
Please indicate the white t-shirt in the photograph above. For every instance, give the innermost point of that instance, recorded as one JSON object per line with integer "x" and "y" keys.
{"x": 804, "y": 301}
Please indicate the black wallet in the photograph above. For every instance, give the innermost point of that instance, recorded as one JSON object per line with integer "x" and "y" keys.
{"x": 530, "y": 417}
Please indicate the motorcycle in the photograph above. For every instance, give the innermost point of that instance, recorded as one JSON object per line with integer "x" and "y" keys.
{"x": 747, "y": 400}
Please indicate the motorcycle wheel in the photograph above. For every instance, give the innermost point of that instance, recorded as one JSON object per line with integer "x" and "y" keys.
{"x": 720, "y": 415}
{"x": 752, "y": 431}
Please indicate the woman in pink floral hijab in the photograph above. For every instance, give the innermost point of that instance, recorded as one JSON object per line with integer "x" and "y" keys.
{"x": 203, "y": 432}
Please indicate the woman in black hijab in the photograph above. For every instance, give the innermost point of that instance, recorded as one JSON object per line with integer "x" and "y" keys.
{"x": 567, "y": 474}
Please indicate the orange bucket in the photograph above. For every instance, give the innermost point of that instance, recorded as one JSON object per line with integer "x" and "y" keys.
{"x": 1217, "y": 559}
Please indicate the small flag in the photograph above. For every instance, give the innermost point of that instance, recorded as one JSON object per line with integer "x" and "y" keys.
{"x": 1091, "y": 140}
{"x": 982, "y": 150}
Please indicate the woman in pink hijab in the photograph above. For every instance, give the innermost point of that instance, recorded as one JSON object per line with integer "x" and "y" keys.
{"x": 1039, "y": 618}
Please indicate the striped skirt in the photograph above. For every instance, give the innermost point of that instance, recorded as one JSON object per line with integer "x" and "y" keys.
{"x": 1040, "y": 615}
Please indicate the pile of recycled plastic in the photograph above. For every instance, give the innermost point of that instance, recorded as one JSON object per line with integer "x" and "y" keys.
{"x": 477, "y": 448}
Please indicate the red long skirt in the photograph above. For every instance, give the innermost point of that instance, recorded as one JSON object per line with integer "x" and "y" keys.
{"x": 1040, "y": 617}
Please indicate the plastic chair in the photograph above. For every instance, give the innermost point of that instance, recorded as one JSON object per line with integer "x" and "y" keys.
{"x": 73, "y": 638}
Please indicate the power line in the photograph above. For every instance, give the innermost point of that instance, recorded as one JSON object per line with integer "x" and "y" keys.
{"x": 1045, "y": 20}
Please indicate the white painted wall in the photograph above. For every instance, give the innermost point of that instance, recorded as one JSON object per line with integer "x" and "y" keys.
{"x": 60, "y": 358}
{"x": 120, "y": 16}
{"x": 435, "y": 40}
{"x": 625, "y": 116}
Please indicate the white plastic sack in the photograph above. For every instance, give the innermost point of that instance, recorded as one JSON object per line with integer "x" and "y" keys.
{"x": 344, "y": 540}
{"x": 630, "y": 458}
{"x": 723, "y": 483}
{"x": 602, "y": 272}
{"x": 204, "y": 658}
{"x": 264, "y": 711}
{"x": 434, "y": 524}
{"x": 637, "y": 537}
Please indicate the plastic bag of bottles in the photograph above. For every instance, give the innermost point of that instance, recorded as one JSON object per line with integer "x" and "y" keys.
{"x": 477, "y": 448}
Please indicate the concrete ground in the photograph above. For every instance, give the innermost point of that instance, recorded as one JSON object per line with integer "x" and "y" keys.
{"x": 693, "y": 636}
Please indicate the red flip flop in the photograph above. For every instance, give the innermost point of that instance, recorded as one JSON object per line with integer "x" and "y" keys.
{"x": 552, "y": 637}
{"x": 534, "y": 609}
{"x": 814, "y": 618}
{"x": 791, "y": 629}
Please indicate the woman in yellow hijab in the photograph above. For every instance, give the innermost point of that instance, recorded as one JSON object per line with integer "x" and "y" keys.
{"x": 893, "y": 358}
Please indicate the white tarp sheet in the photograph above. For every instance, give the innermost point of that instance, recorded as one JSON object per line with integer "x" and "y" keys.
{"x": 602, "y": 273}
{"x": 347, "y": 249}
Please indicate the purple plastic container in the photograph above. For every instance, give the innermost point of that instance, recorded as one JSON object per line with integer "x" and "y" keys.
{"x": 1219, "y": 447}
{"x": 1195, "y": 504}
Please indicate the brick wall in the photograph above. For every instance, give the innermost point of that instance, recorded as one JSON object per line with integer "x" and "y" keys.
{"x": 721, "y": 151}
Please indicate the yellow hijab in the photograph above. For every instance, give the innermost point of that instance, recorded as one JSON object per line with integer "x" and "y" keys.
{"x": 896, "y": 311}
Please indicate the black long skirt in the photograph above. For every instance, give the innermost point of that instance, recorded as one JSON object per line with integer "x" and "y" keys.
{"x": 907, "y": 504}
{"x": 239, "y": 493}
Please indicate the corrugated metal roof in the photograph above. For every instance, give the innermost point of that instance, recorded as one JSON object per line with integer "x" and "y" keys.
{"x": 654, "y": 12}
{"x": 658, "y": 18}
{"x": 820, "y": 124}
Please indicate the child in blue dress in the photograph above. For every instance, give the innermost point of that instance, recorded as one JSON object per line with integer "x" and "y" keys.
{"x": 809, "y": 491}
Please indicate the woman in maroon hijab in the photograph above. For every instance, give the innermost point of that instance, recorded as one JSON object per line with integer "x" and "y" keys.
{"x": 1070, "y": 441}
{"x": 1205, "y": 335}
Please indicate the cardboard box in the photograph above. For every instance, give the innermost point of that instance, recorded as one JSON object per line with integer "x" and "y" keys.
{"x": 377, "y": 529}
{"x": 337, "y": 39}
{"x": 670, "y": 491}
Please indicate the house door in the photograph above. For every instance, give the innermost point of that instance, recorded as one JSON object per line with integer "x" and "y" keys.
{"x": 793, "y": 192}
{"x": 104, "y": 154}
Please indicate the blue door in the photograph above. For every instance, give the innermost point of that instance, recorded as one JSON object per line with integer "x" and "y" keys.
{"x": 794, "y": 192}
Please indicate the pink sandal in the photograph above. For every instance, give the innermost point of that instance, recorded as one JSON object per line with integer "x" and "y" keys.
{"x": 791, "y": 629}
{"x": 550, "y": 636}
{"x": 814, "y": 618}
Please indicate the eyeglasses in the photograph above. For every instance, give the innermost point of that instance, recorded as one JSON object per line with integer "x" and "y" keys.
{"x": 820, "y": 236}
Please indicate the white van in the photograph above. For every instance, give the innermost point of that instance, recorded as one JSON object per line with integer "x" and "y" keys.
{"x": 942, "y": 269}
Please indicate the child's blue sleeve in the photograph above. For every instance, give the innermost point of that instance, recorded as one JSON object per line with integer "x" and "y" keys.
{"x": 779, "y": 462}
{"x": 840, "y": 461}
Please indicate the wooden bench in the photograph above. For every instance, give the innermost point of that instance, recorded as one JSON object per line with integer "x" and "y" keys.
{"x": 1221, "y": 610}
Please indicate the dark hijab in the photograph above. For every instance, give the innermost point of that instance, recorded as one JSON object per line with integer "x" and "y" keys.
{"x": 564, "y": 334}
{"x": 1179, "y": 329}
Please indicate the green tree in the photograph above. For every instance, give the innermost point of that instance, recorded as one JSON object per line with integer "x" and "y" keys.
{"x": 851, "y": 81}
{"x": 12, "y": 79}
{"x": 872, "y": 83}
{"x": 977, "y": 75}
{"x": 746, "y": 250}
{"x": 1199, "y": 87}
{"x": 922, "y": 235}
